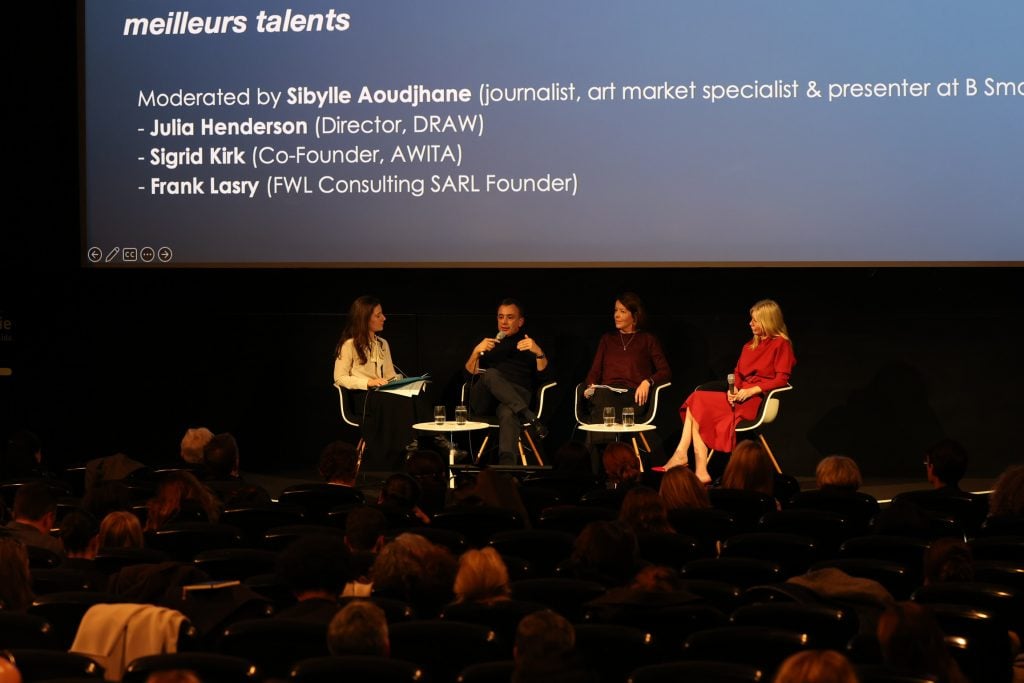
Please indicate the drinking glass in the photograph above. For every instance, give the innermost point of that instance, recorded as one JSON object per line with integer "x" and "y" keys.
{"x": 461, "y": 414}
{"x": 609, "y": 416}
{"x": 628, "y": 417}
{"x": 439, "y": 415}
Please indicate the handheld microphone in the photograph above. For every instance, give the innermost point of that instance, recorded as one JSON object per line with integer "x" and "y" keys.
{"x": 501, "y": 335}
{"x": 731, "y": 379}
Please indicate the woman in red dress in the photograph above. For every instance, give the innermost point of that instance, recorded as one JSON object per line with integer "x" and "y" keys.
{"x": 710, "y": 417}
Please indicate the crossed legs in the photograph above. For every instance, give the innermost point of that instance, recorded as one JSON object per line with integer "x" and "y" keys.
{"x": 691, "y": 435}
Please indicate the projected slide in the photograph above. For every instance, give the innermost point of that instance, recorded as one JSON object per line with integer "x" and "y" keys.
{"x": 568, "y": 132}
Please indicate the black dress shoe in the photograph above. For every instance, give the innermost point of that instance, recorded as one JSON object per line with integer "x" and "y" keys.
{"x": 538, "y": 428}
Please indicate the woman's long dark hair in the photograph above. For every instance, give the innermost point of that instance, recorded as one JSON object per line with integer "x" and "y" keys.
{"x": 358, "y": 326}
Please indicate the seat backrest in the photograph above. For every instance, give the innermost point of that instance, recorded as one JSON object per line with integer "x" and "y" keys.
{"x": 345, "y": 405}
{"x": 769, "y": 410}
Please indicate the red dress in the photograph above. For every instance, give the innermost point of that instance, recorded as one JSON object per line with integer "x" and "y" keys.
{"x": 768, "y": 366}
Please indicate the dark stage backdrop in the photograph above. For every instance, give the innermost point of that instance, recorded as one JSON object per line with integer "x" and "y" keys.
{"x": 889, "y": 360}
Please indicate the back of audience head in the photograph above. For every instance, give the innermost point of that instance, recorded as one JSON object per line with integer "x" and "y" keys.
{"x": 482, "y": 577}
{"x": 1008, "y": 493}
{"x": 948, "y": 559}
{"x": 35, "y": 503}
{"x": 749, "y": 469}
{"x": 359, "y": 628}
{"x": 315, "y": 566}
{"x": 15, "y": 578}
{"x": 173, "y": 676}
{"x": 620, "y": 464}
{"x": 656, "y": 578}
{"x": 401, "y": 491}
{"x": 193, "y": 443}
{"x": 645, "y": 511}
{"x": 9, "y": 672}
{"x": 80, "y": 534}
{"x": 607, "y": 552}
{"x": 911, "y": 639}
{"x": 543, "y": 635}
{"x": 681, "y": 489}
{"x": 946, "y": 463}
{"x": 120, "y": 529}
{"x": 339, "y": 463}
{"x": 838, "y": 473}
{"x": 816, "y": 666}
{"x": 431, "y": 473}
{"x": 220, "y": 457}
{"x": 364, "y": 529}
{"x": 173, "y": 491}
{"x": 413, "y": 569}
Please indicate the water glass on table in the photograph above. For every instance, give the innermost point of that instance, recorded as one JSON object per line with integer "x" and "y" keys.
{"x": 461, "y": 414}
{"x": 609, "y": 416}
{"x": 440, "y": 415}
{"x": 628, "y": 417}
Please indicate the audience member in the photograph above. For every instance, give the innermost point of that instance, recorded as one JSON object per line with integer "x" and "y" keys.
{"x": 315, "y": 568}
{"x": 431, "y": 473}
{"x": 644, "y": 511}
{"x": 193, "y": 443}
{"x": 339, "y": 463}
{"x": 912, "y": 641}
{"x": 399, "y": 500}
{"x": 606, "y": 552}
{"x": 621, "y": 466}
{"x": 34, "y": 514}
{"x": 945, "y": 465}
{"x": 359, "y": 628}
{"x": 15, "y": 579}
{"x": 1008, "y": 493}
{"x": 545, "y": 650}
{"x": 120, "y": 529}
{"x": 482, "y": 577}
{"x": 749, "y": 469}
{"x": 364, "y": 535}
{"x": 412, "y": 569}
{"x": 222, "y": 475}
{"x": 8, "y": 672}
{"x": 838, "y": 473}
{"x": 496, "y": 490}
{"x": 681, "y": 489}
{"x": 180, "y": 497}
{"x": 948, "y": 559}
{"x": 816, "y": 666}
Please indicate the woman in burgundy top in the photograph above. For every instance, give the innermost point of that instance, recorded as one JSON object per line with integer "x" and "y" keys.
{"x": 627, "y": 358}
{"x": 710, "y": 417}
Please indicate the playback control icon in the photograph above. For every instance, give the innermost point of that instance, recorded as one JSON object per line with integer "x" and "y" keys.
{"x": 130, "y": 255}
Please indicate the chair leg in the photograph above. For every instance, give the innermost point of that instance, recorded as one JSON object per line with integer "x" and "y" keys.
{"x": 647, "y": 445}
{"x": 533, "y": 447}
{"x": 480, "y": 453}
{"x": 770, "y": 454}
{"x": 639, "y": 460}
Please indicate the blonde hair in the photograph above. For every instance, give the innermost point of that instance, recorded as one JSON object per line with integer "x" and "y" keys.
{"x": 816, "y": 666}
{"x": 482, "y": 577}
{"x": 680, "y": 488}
{"x": 749, "y": 469}
{"x": 193, "y": 443}
{"x": 768, "y": 313}
{"x": 838, "y": 471}
{"x": 120, "y": 530}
